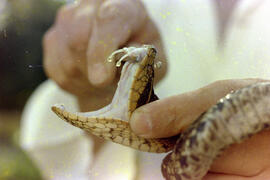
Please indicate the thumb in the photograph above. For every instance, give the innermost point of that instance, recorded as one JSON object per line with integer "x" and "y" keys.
{"x": 115, "y": 22}
{"x": 166, "y": 117}
{"x": 169, "y": 116}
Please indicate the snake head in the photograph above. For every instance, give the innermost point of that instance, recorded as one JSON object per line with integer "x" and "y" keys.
{"x": 135, "y": 88}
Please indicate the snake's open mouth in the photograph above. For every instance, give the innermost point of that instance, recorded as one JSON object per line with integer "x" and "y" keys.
{"x": 135, "y": 88}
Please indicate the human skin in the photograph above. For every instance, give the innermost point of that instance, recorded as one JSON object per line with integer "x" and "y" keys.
{"x": 84, "y": 34}
{"x": 75, "y": 51}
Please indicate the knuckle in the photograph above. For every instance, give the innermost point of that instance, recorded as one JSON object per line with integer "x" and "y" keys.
{"x": 128, "y": 14}
{"x": 113, "y": 9}
{"x": 64, "y": 13}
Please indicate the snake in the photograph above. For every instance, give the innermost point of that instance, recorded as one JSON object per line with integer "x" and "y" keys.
{"x": 237, "y": 116}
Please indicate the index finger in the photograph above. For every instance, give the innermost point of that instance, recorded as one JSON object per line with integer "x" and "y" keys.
{"x": 115, "y": 23}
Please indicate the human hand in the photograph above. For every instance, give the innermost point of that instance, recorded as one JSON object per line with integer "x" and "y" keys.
{"x": 169, "y": 116}
{"x": 84, "y": 35}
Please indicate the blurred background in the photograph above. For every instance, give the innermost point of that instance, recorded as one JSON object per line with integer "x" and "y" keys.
{"x": 22, "y": 25}
{"x": 198, "y": 30}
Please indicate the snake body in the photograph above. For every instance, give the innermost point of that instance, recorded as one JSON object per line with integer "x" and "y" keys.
{"x": 235, "y": 117}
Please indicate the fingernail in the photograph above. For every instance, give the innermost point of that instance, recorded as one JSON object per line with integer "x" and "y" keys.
{"x": 140, "y": 123}
{"x": 97, "y": 74}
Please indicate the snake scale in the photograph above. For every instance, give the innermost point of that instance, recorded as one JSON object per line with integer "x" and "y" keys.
{"x": 235, "y": 117}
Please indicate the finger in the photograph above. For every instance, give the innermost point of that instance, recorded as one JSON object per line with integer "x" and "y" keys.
{"x": 116, "y": 21}
{"x": 223, "y": 176}
{"x": 167, "y": 117}
{"x": 81, "y": 23}
{"x": 74, "y": 78}
{"x": 60, "y": 65}
{"x": 50, "y": 53}
{"x": 242, "y": 159}
{"x": 69, "y": 18}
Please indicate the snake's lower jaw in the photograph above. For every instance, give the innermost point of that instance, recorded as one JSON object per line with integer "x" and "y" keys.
{"x": 115, "y": 130}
